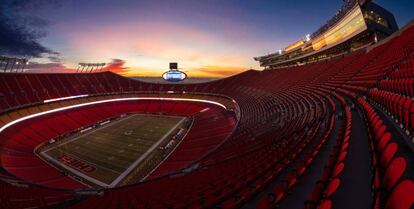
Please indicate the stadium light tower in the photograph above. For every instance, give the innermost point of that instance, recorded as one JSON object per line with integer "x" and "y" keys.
{"x": 90, "y": 67}
{"x": 81, "y": 67}
{"x": 17, "y": 65}
{"x": 13, "y": 64}
{"x": 102, "y": 66}
{"x": 25, "y": 64}
{"x": 87, "y": 67}
{"x": 7, "y": 61}
{"x": 308, "y": 37}
{"x": 2, "y": 61}
{"x": 22, "y": 64}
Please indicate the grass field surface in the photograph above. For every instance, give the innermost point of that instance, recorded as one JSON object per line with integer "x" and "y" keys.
{"x": 104, "y": 156}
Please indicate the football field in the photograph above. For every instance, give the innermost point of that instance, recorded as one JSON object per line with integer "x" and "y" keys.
{"x": 104, "y": 156}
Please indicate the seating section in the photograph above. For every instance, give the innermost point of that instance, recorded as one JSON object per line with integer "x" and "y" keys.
{"x": 333, "y": 134}
{"x": 19, "y": 141}
{"x": 32, "y": 197}
{"x": 330, "y": 180}
{"x": 392, "y": 157}
{"x": 400, "y": 107}
{"x": 202, "y": 138}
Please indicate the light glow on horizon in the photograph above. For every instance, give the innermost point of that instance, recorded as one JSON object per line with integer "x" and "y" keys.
{"x": 148, "y": 49}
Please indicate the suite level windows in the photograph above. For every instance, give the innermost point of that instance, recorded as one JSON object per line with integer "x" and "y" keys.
{"x": 373, "y": 16}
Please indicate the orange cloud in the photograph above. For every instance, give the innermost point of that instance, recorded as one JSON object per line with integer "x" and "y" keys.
{"x": 216, "y": 71}
{"x": 116, "y": 66}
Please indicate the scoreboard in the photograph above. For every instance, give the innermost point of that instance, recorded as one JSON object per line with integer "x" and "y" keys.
{"x": 174, "y": 75}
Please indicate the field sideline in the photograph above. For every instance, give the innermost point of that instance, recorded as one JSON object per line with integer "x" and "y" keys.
{"x": 104, "y": 156}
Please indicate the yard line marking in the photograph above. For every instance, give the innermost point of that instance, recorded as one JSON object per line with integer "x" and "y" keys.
{"x": 159, "y": 164}
{"x": 120, "y": 174}
{"x": 142, "y": 157}
{"x": 89, "y": 133}
{"x": 78, "y": 158}
{"x": 89, "y": 178}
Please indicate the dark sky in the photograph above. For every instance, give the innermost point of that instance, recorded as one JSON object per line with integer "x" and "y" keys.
{"x": 215, "y": 37}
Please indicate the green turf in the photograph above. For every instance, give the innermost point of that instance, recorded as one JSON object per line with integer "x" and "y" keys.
{"x": 113, "y": 148}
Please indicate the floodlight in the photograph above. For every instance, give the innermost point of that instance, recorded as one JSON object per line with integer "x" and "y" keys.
{"x": 308, "y": 37}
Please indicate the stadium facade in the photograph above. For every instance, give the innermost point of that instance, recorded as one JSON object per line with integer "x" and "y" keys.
{"x": 355, "y": 26}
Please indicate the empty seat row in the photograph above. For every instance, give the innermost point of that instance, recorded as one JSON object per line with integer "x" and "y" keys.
{"x": 391, "y": 163}
{"x": 402, "y": 108}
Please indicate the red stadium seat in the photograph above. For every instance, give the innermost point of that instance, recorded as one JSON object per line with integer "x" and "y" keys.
{"x": 402, "y": 197}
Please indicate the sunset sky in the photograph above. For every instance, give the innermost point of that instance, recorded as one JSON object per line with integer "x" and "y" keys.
{"x": 208, "y": 38}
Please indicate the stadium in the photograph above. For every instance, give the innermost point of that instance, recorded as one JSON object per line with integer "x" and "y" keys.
{"x": 328, "y": 123}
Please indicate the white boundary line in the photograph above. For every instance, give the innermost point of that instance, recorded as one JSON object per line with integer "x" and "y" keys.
{"x": 88, "y": 133}
{"x": 106, "y": 101}
{"x": 65, "y": 98}
{"x": 159, "y": 164}
{"x": 121, "y": 175}
{"x": 59, "y": 169}
{"x": 93, "y": 180}
{"x": 142, "y": 157}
